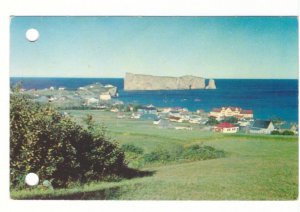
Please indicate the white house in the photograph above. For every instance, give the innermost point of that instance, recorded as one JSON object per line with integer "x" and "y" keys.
{"x": 105, "y": 96}
{"x": 225, "y": 127}
{"x": 115, "y": 110}
{"x": 262, "y": 127}
{"x": 92, "y": 101}
{"x": 221, "y": 113}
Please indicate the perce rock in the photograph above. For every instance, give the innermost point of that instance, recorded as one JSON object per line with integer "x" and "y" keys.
{"x": 149, "y": 82}
{"x": 211, "y": 84}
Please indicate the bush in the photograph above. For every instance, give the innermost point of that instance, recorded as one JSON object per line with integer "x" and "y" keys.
{"x": 231, "y": 119}
{"x": 157, "y": 156}
{"x": 194, "y": 152}
{"x": 199, "y": 152}
{"x": 288, "y": 132}
{"x": 275, "y": 132}
{"x": 132, "y": 148}
{"x": 212, "y": 121}
{"x": 57, "y": 149}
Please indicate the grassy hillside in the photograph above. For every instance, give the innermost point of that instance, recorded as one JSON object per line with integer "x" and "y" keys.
{"x": 256, "y": 167}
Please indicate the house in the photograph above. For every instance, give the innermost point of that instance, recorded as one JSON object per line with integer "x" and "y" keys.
{"x": 164, "y": 124}
{"x": 114, "y": 110}
{"x": 150, "y": 109}
{"x": 200, "y": 111}
{"x": 156, "y": 122}
{"x": 221, "y": 113}
{"x": 148, "y": 117}
{"x": 183, "y": 128}
{"x": 105, "y": 96}
{"x": 294, "y": 128}
{"x": 166, "y": 110}
{"x": 135, "y": 116}
{"x": 175, "y": 119}
{"x": 193, "y": 119}
{"x": 121, "y": 115}
{"x": 61, "y": 88}
{"x": 91, "y": 101}
{"x": 51, "y": 88}
{"x": 225, "y": 127}
{"x": 262, "y": 127}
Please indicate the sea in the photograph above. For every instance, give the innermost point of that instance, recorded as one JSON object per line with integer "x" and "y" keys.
{"x": 268, "y": 98}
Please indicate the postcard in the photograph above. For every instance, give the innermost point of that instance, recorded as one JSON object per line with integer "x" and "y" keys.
{"x": 154, "y": 108}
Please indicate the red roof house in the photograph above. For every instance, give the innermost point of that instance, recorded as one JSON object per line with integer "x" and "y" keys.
{"x": 225, "y": 127}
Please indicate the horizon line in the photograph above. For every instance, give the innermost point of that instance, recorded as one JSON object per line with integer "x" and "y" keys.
{"x": 78, "y": 77}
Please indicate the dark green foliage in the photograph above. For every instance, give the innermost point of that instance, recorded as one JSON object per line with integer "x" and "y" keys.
{"x": 286, "y": 132}
{"x": 212, "y": 121}
{"x": 198, "y": 152}
{"x": 57, "y": 149}
{"x": 275, "y": 132}
{"x": 194, "y": 152}
{"x": 230, "y": 119}
{"x": 132, "y": 148}
{"x": 158, "y": 155}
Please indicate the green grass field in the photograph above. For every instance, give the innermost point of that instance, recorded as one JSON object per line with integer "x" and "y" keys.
{"x": 257, "y": 167}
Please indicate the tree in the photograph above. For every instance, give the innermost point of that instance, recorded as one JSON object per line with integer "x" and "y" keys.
{"x": 230, "y": 119}
{"x": 212, "y": 121}
{"x": 53, "y": 146}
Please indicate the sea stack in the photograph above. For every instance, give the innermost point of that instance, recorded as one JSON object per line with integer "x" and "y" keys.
{"x": 211, "y": 84}
{"x": 149, "y": 82}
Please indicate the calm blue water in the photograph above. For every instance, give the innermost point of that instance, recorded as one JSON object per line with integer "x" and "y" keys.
{"x": 267, "y": 98}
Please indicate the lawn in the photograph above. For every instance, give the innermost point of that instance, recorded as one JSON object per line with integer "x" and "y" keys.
{"x": 256, "y": 167}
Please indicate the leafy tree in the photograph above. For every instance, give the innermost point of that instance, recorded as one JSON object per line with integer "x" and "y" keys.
{"x": 288, "y": 132}
{"x": 275, "y": 132}
{"x": 53, "y": 146}
{"x": 230, "y": 119}
{"x": 212, "y": 121}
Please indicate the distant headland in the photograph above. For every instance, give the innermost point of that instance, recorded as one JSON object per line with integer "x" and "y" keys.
{"x": 149, "y": 82}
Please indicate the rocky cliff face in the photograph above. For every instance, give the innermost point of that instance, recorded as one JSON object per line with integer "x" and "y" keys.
{"x": 211, "y": 84}
{"x": 149, "y": 82}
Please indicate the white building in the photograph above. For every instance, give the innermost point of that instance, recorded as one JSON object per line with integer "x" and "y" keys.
{"x": 262, "y": 127}
{"x": 221, "y": 113}
{"x": 105, "y": 96}
{"x": 225, "y": 127}
{"x": 92, "y": 101}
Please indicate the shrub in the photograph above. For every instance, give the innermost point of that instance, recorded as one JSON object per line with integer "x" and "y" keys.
{"x": 212, "y": 121}
{"x": 288, "y": 132}
{"x": 132, "y": 148}
{"x": 194, "y": 152}
{"x": 157, "y": 156}
{"x": 275, "y": 132}
{"x": 230, "y": 119}
{"x": 199, "y": 152}
{"x": 56, "y": 148}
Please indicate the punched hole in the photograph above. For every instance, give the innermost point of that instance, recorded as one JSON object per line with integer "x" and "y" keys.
{"x": 32, "y": 35}
{"x": 32, "y": 179}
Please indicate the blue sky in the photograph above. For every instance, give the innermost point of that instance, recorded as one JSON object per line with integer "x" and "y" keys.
{"x": 211, "y": 47}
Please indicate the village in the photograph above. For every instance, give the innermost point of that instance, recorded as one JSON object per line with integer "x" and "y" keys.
{"x": 220, "y": 120}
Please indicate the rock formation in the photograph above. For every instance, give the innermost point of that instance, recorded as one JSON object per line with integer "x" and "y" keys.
{"x": 211, "y": 84}
{"x": 149, "y": 82}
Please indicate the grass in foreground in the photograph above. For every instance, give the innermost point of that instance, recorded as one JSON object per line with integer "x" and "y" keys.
{"x": 256, "y": 167}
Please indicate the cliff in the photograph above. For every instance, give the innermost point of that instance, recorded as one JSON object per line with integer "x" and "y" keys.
{"x": 211, "y": 84}
{"x": 149, "y": 82}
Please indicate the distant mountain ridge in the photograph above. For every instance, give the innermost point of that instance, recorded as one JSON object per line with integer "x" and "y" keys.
{"x": 150, "y": 82}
